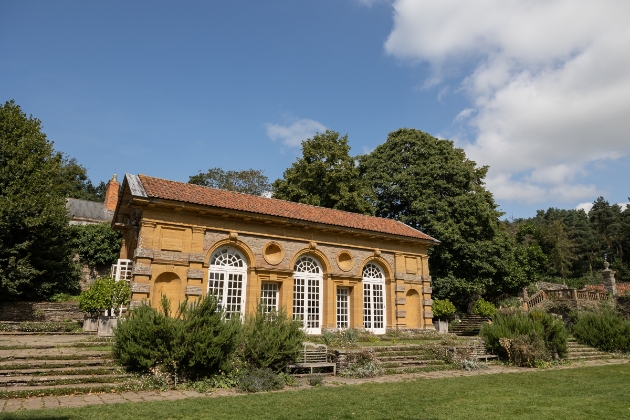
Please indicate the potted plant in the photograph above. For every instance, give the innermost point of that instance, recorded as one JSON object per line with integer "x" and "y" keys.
{"x": 106, "y": 294}
{"x": 118, "y": 295}
{"x": 93, "y": 302}
{"x": 442, "y": 310}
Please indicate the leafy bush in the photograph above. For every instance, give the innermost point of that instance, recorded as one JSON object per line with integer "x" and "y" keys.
{"x": 527, "y": 329}
{"x": 63, "y": 297}
{"x": 196, "y": 343}
{"x": 607, "y": 330}
{"x": 257, "y": 380}
{"x": 271, "y": 340}
{"x": 484, "y": 308}
{"x": 97, "y": 244}
{"x": 442, "y": 308}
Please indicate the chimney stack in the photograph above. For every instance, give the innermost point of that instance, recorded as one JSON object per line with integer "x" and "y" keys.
{"x": 111, "y": 194}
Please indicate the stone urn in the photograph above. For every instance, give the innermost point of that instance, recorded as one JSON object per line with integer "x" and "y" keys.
{"x": 106, "y": 325}
{"x": 441, "y": 326}
{"x": 90, "y": 323}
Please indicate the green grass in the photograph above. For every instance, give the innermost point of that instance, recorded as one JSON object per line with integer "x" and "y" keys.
{"x": 579, "y": 393}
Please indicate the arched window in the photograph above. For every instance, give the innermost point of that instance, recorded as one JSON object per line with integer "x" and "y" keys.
{"x": 227, "y": 279}
{"x": 373, "y": 299}
{"x": 307, "y": 294}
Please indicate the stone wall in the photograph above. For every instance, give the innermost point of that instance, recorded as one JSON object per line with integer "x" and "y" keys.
{"x": 40, "y": 311}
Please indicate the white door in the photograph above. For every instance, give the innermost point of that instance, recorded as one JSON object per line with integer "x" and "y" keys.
{"x": 373, "y": 299}
{"x": 307, "y": 294}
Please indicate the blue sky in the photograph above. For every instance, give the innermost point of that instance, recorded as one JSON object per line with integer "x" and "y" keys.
{"x": 168, "y": 89}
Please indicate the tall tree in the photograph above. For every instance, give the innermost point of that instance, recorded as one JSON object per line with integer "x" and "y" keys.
{"x": 75, "y": 182}
{"x": 430, "y": 185}
{"x": 250, "y": 181}
{"x": 35, "y": 249}
{"x": 326, "y": 175}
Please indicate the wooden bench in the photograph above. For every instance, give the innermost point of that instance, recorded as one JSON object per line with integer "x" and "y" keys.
{"x": 313, "y": 356}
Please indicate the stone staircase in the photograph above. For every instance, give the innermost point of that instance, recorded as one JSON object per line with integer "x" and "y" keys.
{"x": 469, "y": 325}
{"x": 578, "y": 352}
{"x": 406, "y": 359}
{"x": 59, "y": 364}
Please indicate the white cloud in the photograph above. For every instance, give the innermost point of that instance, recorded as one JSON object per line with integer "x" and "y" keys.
{"x": 549, "y": 82}
{"x": 584, "y": 206}
{"x": 293, "y": 135}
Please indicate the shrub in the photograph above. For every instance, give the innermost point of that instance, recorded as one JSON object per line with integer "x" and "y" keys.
{"x": 362, "y": 365}
{"x": 205, "y": 338}
{"x": 316, "y": 379}
{"x": 196, "y": 343}
{"x": 525, "y": 350}
{"x": 524, "y": 332}
{"x": 442, "y": 308}
{"x": 145, "y": 339}
{"x": 257, "y": 380}
{"x": 484, "y": 308}
{"x": 271, "y": 340}
{"x": 607, "y": 330}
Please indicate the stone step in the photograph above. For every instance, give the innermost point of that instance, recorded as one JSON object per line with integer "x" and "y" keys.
{"x": 51, "y": 363}
{"x": 42, "y": 355}
{"x": 43, "y": 371}
{"x": 591, "y": 357}
{"x": 410, "y": 363}
{"x": 29, "y": 380}
{"x": 415, "y": 369}
{"x": 407, "y": 347}
{"x": 68, "y": 389}
{"x": 396, "y": 358}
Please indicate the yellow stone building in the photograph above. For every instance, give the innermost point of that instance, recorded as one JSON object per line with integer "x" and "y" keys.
{"x": 328, "y": 268}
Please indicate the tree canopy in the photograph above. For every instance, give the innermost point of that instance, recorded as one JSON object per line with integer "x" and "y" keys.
{"x": 432, "y": 186}
{"x": 250, "y": 181}
{"x": 35, "y": 244}
{"x": 326, "y": 175}
{"x": 75, "y": 182}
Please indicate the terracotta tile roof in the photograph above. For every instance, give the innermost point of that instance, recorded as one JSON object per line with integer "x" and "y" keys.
{"x": 196, "y": 194}
{"x": 621, "y": 287}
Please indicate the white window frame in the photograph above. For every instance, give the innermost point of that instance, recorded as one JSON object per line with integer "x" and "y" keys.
{"x": 269, "y": 296}
{"x": 227, "y": 271}
{"x": 373, "y": 284}
{"x": 343, "y": 308}
{"x": 302, "y": 281}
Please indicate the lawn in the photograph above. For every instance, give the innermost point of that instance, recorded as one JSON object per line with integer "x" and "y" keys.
{"x": 579, "y": 393}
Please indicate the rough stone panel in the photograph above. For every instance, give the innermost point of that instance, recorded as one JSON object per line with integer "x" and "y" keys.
{"x": 427, "y": 289}
{"x": 40, "y": 311}
{"x": 200, "y": 258}
{"x": 143, "y": 253}
{"x": 193, "y": 290}
{"x": 171, "y": 256}
{"x": 195, "y": 274}
{"x": 428, "y": 314}
{"x": 211, "y": 237}
{"x": 140, "y": 287}
{"x": 427, "y": 302}
{"x": 135, "y": 304}
{"x": 401, "y": 288}
{"x": 399, "y": 276}
{"x": 401, "y": 301}
{"x": 409, "y": 277}
{"x": 141, "y": 269}
{"x": 401, "y": 314}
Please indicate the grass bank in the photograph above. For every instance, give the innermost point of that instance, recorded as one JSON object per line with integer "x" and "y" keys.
{"x": 579, "y": 393}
